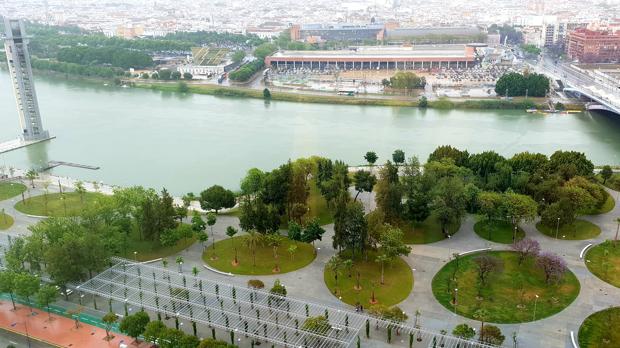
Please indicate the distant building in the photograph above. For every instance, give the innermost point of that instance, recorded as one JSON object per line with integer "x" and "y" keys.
{"x": 419, "y": 57}
{"x": 548, "y": 31}
{"x": 337, "y": 32}
{"x": 267, "y": 30}
{"x": 206, "y": 61}
{"x": 430, "y": 34}
{"x": 129, "y": 31}
{"x": 589, "y": 46}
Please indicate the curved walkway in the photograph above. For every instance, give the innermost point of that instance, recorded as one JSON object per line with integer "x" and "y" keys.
{"x": 426, "y": 260}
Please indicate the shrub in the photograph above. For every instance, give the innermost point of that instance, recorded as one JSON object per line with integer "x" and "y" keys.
{"x": 256, "y": 284}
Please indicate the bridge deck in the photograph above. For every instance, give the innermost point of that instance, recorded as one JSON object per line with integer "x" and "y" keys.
{"x": 18, "y": 144}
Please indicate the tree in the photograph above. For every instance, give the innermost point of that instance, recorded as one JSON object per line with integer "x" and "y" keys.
{"x": 319, "y": 325}
{"x": 26, "y": 285}
{"x": 109, "y": 320}
{"x": 274, "y": 240}
{"x": 238, "y": 56}
{"x": 211, "y": 220}
{"x": 492, "y": 335}
{"x": 464, "y": 331}
{"x": 253, "y": 182}
{"x": 485, "y": 265}
{"x": 175, "y": 75}
{"x": 230, "y": 232}
{"x": 606, "y": 173}
{"x": 154, "y": 331}
{"x": 490, "y": 203}
{"x": 252, "y": 240}
{"x": 313, "y": 231}
{"x": 187, "y": 76}
{"x": 198, "y": 224}
{"x": 371, "y": 157}
{"x": 398, "y": 157}
{"x": 389, "y": 192}
{"x": 553, "y": 266}
{"x": 278, "y": 288}
{"x": 406, "y": 80}
{"x": 570, "y": 163}
{"x": 482, "y": 315}
{"x": 519, "y": 208}
{"x": 449, "y": 202}
{"x": 294, "y": 231}
{"x": 216, "y": 198}
{"x": 391, "y": 246}
{"x": 335, "y": 264}
{"x": 32, "y": 175}
{"x": 350, "y": 230}
{"x": 382, "y": 259}
{"x": 423, "y": 103}
{"x": 45, "y": 296}
{"x": 266, "y": 94}
{"x": 7, "y": 284}
{"x": 526, "y": 247}
{"x": 364, "y": 182}
{"x": 80, "y": 189}
{"x": 134, "y": 325}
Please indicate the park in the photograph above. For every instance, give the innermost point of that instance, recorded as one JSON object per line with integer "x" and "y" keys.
{"x": 479, "y": 239}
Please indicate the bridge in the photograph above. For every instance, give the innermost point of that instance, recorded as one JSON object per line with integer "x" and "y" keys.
{"x": 604, "y": 94}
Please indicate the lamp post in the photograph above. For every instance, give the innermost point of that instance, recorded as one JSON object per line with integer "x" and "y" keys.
{"x": 514, "y": 234}
{"x": 456, "y": 299}
{"x": 535, "y": 302}
{"x": 135, "y": 256}
{"x": 557, "y": 228}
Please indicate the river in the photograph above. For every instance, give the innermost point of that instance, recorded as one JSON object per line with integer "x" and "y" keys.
{"x": 189, "y": 142}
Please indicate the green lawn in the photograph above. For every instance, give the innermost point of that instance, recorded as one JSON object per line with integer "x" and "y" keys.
{"x": 606, "y": 267}
{"x": 265, "y": 261}
{"x": 398, "y": 282}
{"x": 609, "y": 204}
{"x": 148, "y": 250}
{"x": 428, "y": 231}
{"x": 580, "y": 230}
{"x": 10, "y": 189}
{"x": 600, "y": 330}
{"x": 55, "y": 205}
{"x": 498, "y": 231}
{"x": 509, "y": 296}
{"x": 6, "y": 221}
{"x": 613, "y": 183}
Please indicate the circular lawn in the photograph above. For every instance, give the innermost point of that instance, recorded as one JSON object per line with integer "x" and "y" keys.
{"x": 221, "y": 256}
{"x": 6, "y": 221}
{"x": 603, "y": 261}
{"x": 56, "y": 204}
{"x": 509, "y": 295}
{"x": 398, "y": 282}
{"x": 10, "y": 189}
{"x": 600, "y": 330}
{"x": 579, "y": 230}
{"x": 498, "y": 231}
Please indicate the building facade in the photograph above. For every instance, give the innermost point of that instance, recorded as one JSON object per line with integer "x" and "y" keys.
{"x": 18, "y": 59}
{"x": 589, "y": 46}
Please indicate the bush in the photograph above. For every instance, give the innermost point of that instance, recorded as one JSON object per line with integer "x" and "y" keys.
{"x": 266, "y": 93}
{"x": 256, "y": 284}
{"x": 278, "y": 288}
{"x": 423, "y": 102}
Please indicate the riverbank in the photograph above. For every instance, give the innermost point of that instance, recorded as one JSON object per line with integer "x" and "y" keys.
{"x": 442, "y": 104}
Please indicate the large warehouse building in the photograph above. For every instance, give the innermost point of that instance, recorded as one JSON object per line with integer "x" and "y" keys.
{"x": 419, "y": 57}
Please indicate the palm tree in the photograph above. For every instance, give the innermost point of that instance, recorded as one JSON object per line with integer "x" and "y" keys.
{"x": 31, "y": 175}
{"x": 292, "y": 249}
{"x": 164, "y": 262}
{"x": 79, "y": 189}
{"x": 617, "y": 230}
{"x": 251, "y": 241}
{"x": 230, "y": 232}
{"x": 195, "y": 272}
{"x": 179, "y": 261}
{"x": 46, "y": 185}
{"x": 334, "y": 264}
{"x": 481, "y": 314}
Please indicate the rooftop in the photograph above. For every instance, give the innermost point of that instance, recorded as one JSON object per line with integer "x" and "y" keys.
{"x": 418, "y": 51}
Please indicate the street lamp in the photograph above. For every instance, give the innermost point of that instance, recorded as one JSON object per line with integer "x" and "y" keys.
{"x": 456, "y": 299}
{"x": 557, "y": 228}
{"x": 535, "y": 302}
{"x": 135, "y": 256}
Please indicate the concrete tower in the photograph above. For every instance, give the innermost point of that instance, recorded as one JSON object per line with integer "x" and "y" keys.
{"x": 16, "y": 46}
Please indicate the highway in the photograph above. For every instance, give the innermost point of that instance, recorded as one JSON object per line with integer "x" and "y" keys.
{"x": 581, "y": 80}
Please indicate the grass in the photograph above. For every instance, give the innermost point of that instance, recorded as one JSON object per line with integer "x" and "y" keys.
{"x": 579, "y": 230}
{"x": 609, "y": 204}
{"x": 234, "y": 91}
{"x": 427, "y": 231}
{"x": 398, "y": 282}
{"x": 265, "y": 261}
{"x": 149, "y": 250}
{"x": 599, "y": 330}
{"x": 498, "y": 231}
{"x": 612, "y": 183}
{"x": 55, "y": 205}
{"x": 10, "y": 189}
{"x": 606, "y": 267}
{"x": 317, "y": 206}
{"x": 6, "y": 221}
{"x": 510, "y": 295}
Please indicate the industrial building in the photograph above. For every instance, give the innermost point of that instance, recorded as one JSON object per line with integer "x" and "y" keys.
{"x": 206, "y": 61}
{"x": 337, "y": 32}
{"x": 379, "y": 57}
{"x": 589, "y": 46}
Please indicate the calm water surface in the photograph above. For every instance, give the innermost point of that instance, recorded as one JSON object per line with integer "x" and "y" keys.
{"x": 188, "y": 142}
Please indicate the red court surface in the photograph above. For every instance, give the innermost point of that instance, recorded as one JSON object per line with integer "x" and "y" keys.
{"x": 60, "y": 331}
